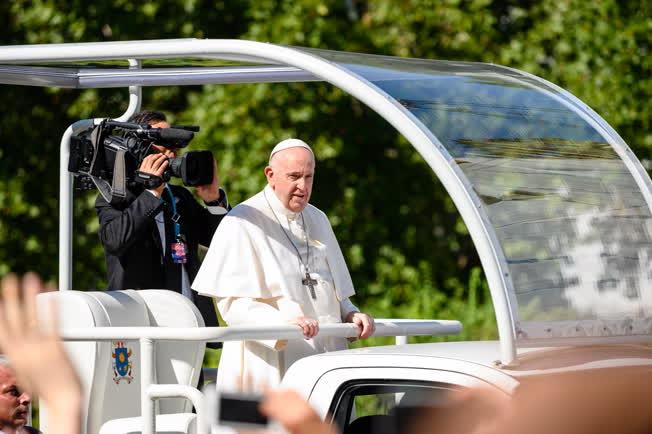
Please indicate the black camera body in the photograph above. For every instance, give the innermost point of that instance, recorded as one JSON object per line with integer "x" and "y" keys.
{"x": 107, "y": 157}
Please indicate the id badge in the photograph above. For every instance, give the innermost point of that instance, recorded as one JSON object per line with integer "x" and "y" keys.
{"x": 179, "y": 252}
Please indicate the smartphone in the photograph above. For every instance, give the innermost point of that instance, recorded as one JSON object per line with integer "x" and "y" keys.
{"x": 238, "y": 411}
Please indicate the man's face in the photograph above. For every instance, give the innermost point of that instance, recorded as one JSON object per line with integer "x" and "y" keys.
{"x": 290, "y": 174}
{"x": 14, "y": 404}
{"x": 159, "y": 148}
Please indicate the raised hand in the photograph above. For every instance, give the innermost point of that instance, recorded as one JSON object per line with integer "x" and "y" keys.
{"x": 36, "y": 353}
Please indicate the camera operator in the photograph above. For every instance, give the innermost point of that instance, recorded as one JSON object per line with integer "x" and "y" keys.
{"x": 151, "y": 237}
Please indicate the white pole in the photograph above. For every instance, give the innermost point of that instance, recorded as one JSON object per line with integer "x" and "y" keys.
{"x": 135, "y": 95}
{"x": 65, "y": 204}
{"x": 66, "y": 184}
{"x": 384, "y": 327}
{"x": 65, "y": 214}
{"x": 146, "y": 379}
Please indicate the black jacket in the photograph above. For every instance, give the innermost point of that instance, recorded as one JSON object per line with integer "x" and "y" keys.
{"x": 132, "y": 244}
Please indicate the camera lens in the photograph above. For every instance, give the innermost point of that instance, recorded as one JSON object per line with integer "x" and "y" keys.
{"x": 194, "y": 167}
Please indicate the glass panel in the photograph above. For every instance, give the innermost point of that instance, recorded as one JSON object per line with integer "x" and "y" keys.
{"x": 387, "y": 406}
{"x": 572, "y": 222}
{"x": 374, "y": 404}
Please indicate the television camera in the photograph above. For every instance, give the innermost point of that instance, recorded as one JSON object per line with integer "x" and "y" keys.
{"x": 107, "y": 157}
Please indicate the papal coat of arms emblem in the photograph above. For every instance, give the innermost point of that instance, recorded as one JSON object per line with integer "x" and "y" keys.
{"x": 121, "y": 363}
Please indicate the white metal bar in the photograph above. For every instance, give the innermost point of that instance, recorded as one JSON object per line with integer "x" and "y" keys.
{"x": 143, "y": 49}
{"x": 157, "y": 391}
{"x": 65, "y": 204}
{"x": 65, "y": 213}
{"x": 147, "y": 365}
{"x": 401, "y": 340}
{"x": 384, "y": 327}
{"x": 135, "y": 95}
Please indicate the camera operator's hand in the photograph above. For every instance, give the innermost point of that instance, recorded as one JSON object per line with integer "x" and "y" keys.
{"x": 210, "y": 192}
{"x": 155, "y": 164}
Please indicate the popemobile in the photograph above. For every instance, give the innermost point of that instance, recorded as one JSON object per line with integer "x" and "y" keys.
{"x": 557, "y": 205}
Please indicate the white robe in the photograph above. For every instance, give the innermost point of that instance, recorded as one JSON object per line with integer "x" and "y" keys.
{"x": 255, "y": 274}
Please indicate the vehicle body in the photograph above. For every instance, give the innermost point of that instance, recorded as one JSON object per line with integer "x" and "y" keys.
{"x": 557, "y": 205}
{"x": 371, "y": 384}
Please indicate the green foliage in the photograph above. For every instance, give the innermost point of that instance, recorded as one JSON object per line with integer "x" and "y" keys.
{"x": 408, "y": 250}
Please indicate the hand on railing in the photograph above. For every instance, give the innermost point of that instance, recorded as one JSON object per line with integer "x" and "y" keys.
{"x": 309, "y": 326}
{"x": 364, "y": 322}
{"x": 36, "y": 353}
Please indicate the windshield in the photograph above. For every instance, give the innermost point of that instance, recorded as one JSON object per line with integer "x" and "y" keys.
{"x": 571, "y": 221}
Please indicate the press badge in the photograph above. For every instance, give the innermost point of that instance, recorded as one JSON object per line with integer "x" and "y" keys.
{"x": 179, "y": 252}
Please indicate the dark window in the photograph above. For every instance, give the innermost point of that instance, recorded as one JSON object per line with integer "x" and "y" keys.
{"x": 385, "y": 406}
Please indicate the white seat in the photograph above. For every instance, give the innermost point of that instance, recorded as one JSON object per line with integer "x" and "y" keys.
{"x": 176, "y": 362}
{"x": 110, "y": 371}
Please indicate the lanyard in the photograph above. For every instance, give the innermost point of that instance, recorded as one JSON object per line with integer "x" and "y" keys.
{"x": 175, "y": 216}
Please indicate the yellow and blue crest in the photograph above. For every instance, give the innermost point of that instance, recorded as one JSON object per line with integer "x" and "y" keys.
{"x": 122, "y": 367}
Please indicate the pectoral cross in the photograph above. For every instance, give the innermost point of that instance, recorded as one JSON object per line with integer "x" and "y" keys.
{"x": 310, "y": 283}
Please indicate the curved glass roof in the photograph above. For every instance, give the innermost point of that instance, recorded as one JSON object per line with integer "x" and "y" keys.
{"x": 557, "y": 204}
{"x": 573, "y": 225}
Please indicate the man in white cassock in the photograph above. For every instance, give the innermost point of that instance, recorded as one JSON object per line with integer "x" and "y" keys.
{"x": 274, "y": 260}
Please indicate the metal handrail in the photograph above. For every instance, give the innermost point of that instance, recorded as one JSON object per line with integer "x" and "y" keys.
{"x": 150, "y": 391}
{"x": 384, "y": 327}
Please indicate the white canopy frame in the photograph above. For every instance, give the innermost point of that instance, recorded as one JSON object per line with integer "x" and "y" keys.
{"x": 297, "y": 65}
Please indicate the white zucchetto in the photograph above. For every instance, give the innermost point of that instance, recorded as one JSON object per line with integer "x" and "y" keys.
{"x": 289, "y": 143}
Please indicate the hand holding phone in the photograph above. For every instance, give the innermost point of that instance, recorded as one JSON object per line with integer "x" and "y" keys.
{"x": 235, "y": 410}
